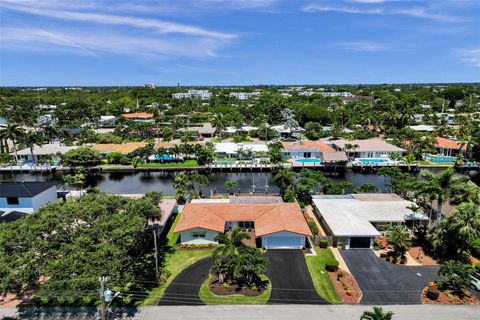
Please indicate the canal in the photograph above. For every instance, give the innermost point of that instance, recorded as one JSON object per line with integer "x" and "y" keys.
{"x": 141, "y": 182}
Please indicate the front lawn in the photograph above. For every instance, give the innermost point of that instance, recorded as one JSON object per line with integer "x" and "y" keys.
{"x": 208, "y": 297}
{"x": 186, "y": 163}
{"x": 176, "y": 262}
{"x": 320, "y": 278}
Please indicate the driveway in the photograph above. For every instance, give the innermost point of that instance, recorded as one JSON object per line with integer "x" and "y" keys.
{"x": 386, "y": 283}
{"x": 291, "y": 281}
{"x": 184, "y": 288}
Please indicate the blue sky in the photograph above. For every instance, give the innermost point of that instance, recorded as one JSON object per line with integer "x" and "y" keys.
{"x": 238, "y": 42}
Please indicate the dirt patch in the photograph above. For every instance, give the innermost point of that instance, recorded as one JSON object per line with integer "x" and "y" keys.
{"x": 447, "y": 297}
{"x": 227, "y": 290}
{"x": 419, "y": 255}
{"x": 10, "y": 300}
{"x": 346, "y": 286}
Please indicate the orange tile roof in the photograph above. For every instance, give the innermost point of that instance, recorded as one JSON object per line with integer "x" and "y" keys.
{"x": 321, "y": 146}
{"x": 268, "y": 218}
{"x": 137, "y": 115}
{"x": 124, "y": 148}
{"x": 448, "y": 144}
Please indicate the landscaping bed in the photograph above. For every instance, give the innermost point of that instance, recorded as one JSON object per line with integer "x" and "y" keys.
{"x": 346, "y": 286}
{"x": 419, "y": 255}
{"x": 448, "y": 297}
{"x": 320, "y": 278}
{"x": 212, "y": 292}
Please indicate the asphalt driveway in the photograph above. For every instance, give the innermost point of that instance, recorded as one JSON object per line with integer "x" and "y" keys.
{"x": 184, "y": 288}
{"x": 385, "y": 283}
{"x": 291, "y": 281}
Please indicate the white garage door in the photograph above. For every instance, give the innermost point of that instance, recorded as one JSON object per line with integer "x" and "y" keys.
{"x": 283, "y": 242}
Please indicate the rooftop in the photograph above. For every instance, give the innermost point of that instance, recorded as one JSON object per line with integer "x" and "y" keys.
{"x": 448, "y": 144}
{"x": 124, "y": 148}
{"x": 351, "y": 215}
{"x": 317, "y": 146}
{"x": 231, "y": 147}
{"x": 46, "y": 149}
{"x": 367, "y": 145}
{"x": 137, "y": 115}
{"x": 24, "y": 189}
{"x": 268, "y": 218}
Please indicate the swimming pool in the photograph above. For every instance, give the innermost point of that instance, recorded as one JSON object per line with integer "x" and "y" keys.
{"x": 365, "y": 160}
{"x": 308, "y": 160}
{"x": 164, "y": 158}
{"x": 443, "y": 159}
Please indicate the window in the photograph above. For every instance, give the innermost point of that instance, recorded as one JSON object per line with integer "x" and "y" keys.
{"x": 198, "y": 234}
{"x": 12, "y": 200}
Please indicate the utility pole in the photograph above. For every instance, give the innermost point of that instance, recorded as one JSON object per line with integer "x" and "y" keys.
{"x": 102, "y": 297}
{"x": 156, "y": 252}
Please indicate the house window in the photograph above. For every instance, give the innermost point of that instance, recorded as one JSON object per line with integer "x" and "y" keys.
{"x": 12, "y": 200}
{"x": 198, "y": 234}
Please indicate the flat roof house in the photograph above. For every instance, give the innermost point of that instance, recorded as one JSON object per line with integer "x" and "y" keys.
{"x": 138, "y": 116}
{"x": 18, "y": 199}
{"x": 123, "y": 148}
{"x": 232, "y": 149}
{"x": 312, "y": 149}
{"x": 368, "y": 148}
{"x": 43, "y": 152}
{"x": 273, "y": 226}
{"x": 354, "y": 220}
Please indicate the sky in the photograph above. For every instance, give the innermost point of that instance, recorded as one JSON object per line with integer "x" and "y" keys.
{"x": 238, "y": 42}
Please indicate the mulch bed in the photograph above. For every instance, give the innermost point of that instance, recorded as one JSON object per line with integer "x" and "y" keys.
{"x": 221, "y": 290}
{"x": 346, "y": 286}
{"x": 419, "y": 255}
{"x": 443, "y": 298}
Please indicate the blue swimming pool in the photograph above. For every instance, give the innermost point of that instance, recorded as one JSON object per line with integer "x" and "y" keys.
{"x": 443, "y": 159}
{"x": 308, "y": 160}
{"x": 164, "y": 158}
{"x": 373, "y": 160}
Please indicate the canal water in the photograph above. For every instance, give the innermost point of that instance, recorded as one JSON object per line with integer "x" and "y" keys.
{"x": 141, "y": 182}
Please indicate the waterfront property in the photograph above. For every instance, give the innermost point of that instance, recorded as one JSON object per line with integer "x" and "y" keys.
{"x": 273, "y": 226}
{"x": 368, "y": 148}
{"x": 354, "y": 220}
{"x": 448, "y": 147}
{"x": 205, "y": 131}
{"x": 236, "y": 150}
{"x": 43, "y": 153}
{"x": 18, "y": 199}
{"x": 124, "y": 148}
{"x": 307, "y": 151}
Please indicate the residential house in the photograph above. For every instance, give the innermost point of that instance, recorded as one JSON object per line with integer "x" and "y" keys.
{"x": 273, "y": 226}
{"x": 354, "y": 220}
{"x": 448, "y": 147}
{"x": 306, "y": 149}
{"x": 18, "y": 199}
{"x": 46, "y": 152}
{"x": 138, "y": 116}
{"x": 368, "y": 148}
{"x": 124, "y": 148}
{"x": 205, "y": 131}
{"x": 234, "y": 150}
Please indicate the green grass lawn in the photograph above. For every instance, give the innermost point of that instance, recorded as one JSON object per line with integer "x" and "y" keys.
{"x": 321, "y": 280}
{"x": 186, "y": 163}
{"x": 176, "y": 263}
{"x": 430, "y": 164}
{"x": 171, "y": 235}
{"x": 210, "y": 298}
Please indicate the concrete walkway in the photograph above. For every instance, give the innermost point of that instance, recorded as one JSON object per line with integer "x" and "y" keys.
{"x": 280, "y": 312}
{"x": 341, "y": 263}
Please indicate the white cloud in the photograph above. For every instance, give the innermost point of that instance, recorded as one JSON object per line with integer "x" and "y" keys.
{"x": 344, "y": 9}
{"x": 470, "y": 56}
{"x": 363, "y": 46}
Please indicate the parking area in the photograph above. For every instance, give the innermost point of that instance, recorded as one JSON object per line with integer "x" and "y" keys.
{"x": 291, "y": 281}
{"x": 382, "y": 282}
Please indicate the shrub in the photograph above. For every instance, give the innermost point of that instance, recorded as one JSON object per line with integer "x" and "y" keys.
{"x": 332, "y": 265}
{"x": 403, "y": 260}
{"x": 433, "y": 293}
{"x": 323, "y": 244}
{"x": 475, "y": 247}
{"x": 125, "y": 161}
{"x": 313, "y": 227}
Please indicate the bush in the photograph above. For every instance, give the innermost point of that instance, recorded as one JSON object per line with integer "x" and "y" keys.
{"x": 313, "y": 227}
{"x": 323, "y": 244}
{"x": 475, "y": 248}
{"x": 125, "y": 160}
{"x": 433, "y": 293}
{"x": 332, "y": 266}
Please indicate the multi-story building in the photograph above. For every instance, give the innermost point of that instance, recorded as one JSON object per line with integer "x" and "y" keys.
{"x": 244, "y": 95}
{"x": 193, "y": 94}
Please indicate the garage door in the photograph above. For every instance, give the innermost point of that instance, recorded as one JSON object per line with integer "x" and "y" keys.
{"x": 283, "y": 242}
{"x": 359, "y": 242}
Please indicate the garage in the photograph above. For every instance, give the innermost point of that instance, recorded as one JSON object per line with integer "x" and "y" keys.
{"x": 283, "y": 240}
{"x": 360, "y": 242}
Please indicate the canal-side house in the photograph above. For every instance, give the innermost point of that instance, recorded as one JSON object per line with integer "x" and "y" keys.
{"x": 240, "y": 150}
{"x": 43, "y": 153}
{"x": 138, "y": 116}
{"x": 307, "y": 149}
{"x": 448, "y": 147}
{"x": 354, "y": 220}
{"x": 368, "y": 148}
{"x": 122, "y": 148}
{"x": 18, "y": 199}
{"x": 273, "y": 226}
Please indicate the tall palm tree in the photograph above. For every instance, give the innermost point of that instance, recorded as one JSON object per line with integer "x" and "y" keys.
{"x": 284, "y": 178}
{"x": 14, "y": 133}
{"x": 409, "y": 160}
{"x": 401, "y": 241}
{"x": 228, "y": 245}
{"x": 32, "y": 139}
{"x": 219, "y": 122}
{"x": 465, "y": 223}
{"x": 377, "y": 314}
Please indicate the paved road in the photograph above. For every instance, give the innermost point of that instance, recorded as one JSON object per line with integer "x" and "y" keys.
{"x": 385, "y": 283}
{"x": 291, "y": 281}
{"x": 184, "y": 288}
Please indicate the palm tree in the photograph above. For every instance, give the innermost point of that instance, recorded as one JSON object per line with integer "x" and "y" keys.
{"x": 230, "y": 185}
{"x": 465, "y": 224}
{"x": 401, "y": 241}
{"x": 377, "y": 314}
{"x": 32, "y": 139}
{"x": 395, "y": 156}
{"x": 409, "y": 159}
{"x": 228, "y": 245}
{"x": 414, "y": 208}
{"x": 284, "y": 178}
{"x": 275, "y": 152}
{"x": 14, "y": 133}
{"x": 219, "y": 122}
